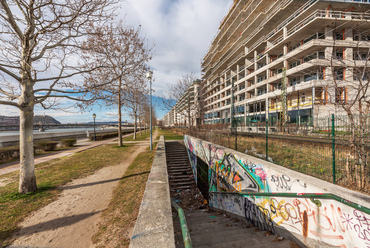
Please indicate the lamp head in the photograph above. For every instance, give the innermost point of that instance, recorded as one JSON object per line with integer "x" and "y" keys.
{"x": 149, "y": 75}
{"x": 94, "y": 115}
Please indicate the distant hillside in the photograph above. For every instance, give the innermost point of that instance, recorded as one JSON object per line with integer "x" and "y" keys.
{"x": 38, "y": 119}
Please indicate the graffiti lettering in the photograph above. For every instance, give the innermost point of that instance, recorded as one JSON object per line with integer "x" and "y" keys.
{"x": 284, "y": 182}
{"x": 281, "y": 182}
{"x": 258, "y": 216}
{"x": 362, "y": 225}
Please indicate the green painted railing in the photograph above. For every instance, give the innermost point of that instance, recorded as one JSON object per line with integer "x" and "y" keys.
{"x": 304, "y": 195}
{"x": 184, "y": 226}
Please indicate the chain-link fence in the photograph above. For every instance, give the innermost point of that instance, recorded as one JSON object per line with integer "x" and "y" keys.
{"x": 335, "y": 149}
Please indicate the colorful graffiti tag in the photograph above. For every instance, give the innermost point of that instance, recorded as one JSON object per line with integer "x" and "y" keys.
{"x": 316, "y": 220}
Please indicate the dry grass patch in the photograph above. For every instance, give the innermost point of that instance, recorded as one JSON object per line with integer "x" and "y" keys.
{"x": 119, "y": 219}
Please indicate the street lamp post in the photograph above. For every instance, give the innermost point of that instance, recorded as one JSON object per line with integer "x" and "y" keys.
{"x": 94, "y": 116}
{"x": 149, "y": 76}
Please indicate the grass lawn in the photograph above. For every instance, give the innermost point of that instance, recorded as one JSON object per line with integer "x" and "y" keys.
{"x": 14, "y": 207}
{"x": 145, "y": 135}
{"x": 170, "y": 135}
{"x": 39, "y": 152}
{"x": 119, "y": 219}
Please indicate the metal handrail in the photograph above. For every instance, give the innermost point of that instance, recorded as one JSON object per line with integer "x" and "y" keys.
{"x": 304, "y": 195}
{"x": 184, "y": 226}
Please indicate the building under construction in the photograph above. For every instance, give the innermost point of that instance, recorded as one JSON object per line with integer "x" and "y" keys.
{"x": 291, "y": 61}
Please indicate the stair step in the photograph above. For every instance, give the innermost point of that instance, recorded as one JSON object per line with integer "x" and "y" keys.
{"x": 188, "y": 172}
{"x": 183, "y": 187}
{"x": 181, "y": 184}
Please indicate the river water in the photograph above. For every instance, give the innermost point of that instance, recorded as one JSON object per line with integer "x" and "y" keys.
{"x": 56, "y": 130}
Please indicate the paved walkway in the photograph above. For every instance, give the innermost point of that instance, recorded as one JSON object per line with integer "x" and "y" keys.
{"x": 82, "y": 145}
{"x": 74, "y": 217}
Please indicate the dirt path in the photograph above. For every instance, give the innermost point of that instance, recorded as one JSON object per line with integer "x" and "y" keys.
{"x": 73, "y": 219}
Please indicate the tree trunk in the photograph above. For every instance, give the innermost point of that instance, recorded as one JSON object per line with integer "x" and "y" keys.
{"x": 119, "y": 124}
{"x": 141, "y": 133}
{"x": 27, "y": 178}
{"x": 119, "y": 114}
{"x": 135, "y": 126}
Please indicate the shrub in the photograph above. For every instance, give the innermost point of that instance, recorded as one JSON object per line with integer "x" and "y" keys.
{"x": 103, "y": 136}
{"x": 68, "y": 142}
{"x": 47, "y": 145}
{"x": 9, "y": 153}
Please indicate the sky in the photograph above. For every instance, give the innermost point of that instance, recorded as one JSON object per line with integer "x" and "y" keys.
{"x": 180, "y": 31}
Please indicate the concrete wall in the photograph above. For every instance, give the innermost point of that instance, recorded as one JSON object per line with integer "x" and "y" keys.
{"x": 154, "y": 226}
{"x": 315, "y": 222}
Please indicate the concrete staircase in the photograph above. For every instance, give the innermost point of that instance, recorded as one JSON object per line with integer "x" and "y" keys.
{"x": 212, "y": 229}
{"x": 179, "y": 170}
{"x": 208, "y": 228}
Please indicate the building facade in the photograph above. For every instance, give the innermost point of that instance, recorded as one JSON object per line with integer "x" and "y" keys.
{"x": 290, "y": 61}
{"x": 187, "y": 110}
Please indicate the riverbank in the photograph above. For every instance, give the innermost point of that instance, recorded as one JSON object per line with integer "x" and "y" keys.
{"x": 13, "y": 140}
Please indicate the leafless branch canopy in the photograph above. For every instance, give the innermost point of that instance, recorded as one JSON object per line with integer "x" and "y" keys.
{"x": 40, "y": 47}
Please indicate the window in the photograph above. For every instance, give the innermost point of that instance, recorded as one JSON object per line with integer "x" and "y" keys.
{"x": 294, "y": 81}
{"x": 340, "y": 94}
{"x": 261, "y": 91}
{"x": 260, "y": 78}
{"x": 338, "y": 36}
{"x": 240, "y": 109}
{"x": 260, "y": 65}
{"x": 358, "y": 73}
{"x": 339, "y": 73}
{"x": 361, "y": 56}
{"x": 309, "y": 77}
{"x": 294, "y": 64}
{"x": 242, "y": 97}
{"x": 321, "y": 55}
{"x": 365, "y": 37}
{"x": 303, "y": 97}
{"x": 272, "y": 103}
{"x": 338, "y": 54}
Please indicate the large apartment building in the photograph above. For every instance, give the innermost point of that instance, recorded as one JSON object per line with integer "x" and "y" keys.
{"x": 287, "y": 59}
{"x": 187, "y": 110}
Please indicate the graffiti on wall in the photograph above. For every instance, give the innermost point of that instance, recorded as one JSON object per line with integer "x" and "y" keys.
{"x": 323, "y": 220}
{"x": 227, "y": 173}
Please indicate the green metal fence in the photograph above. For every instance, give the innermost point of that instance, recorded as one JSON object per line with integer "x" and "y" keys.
{"x": 334, "y": 148}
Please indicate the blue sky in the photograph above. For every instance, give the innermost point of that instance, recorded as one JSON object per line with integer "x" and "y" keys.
{"x": 181, "y": 31}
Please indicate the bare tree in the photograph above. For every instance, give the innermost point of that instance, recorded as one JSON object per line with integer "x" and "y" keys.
{"x": 40, "y": 42}
{"x": 124, "y": 55}
{"x": 348, "y": 82}
{"x": 179, "y": 93}
{"x": 147, "y": 114}
{"x": 135, "y": 96}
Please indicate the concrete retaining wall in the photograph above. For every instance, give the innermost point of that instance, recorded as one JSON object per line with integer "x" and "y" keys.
{"x": 315, "y": 222}
{"x": 154, "y": 226}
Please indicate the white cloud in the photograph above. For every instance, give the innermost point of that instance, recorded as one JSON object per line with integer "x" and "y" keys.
{"x": 181, "y": 30}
